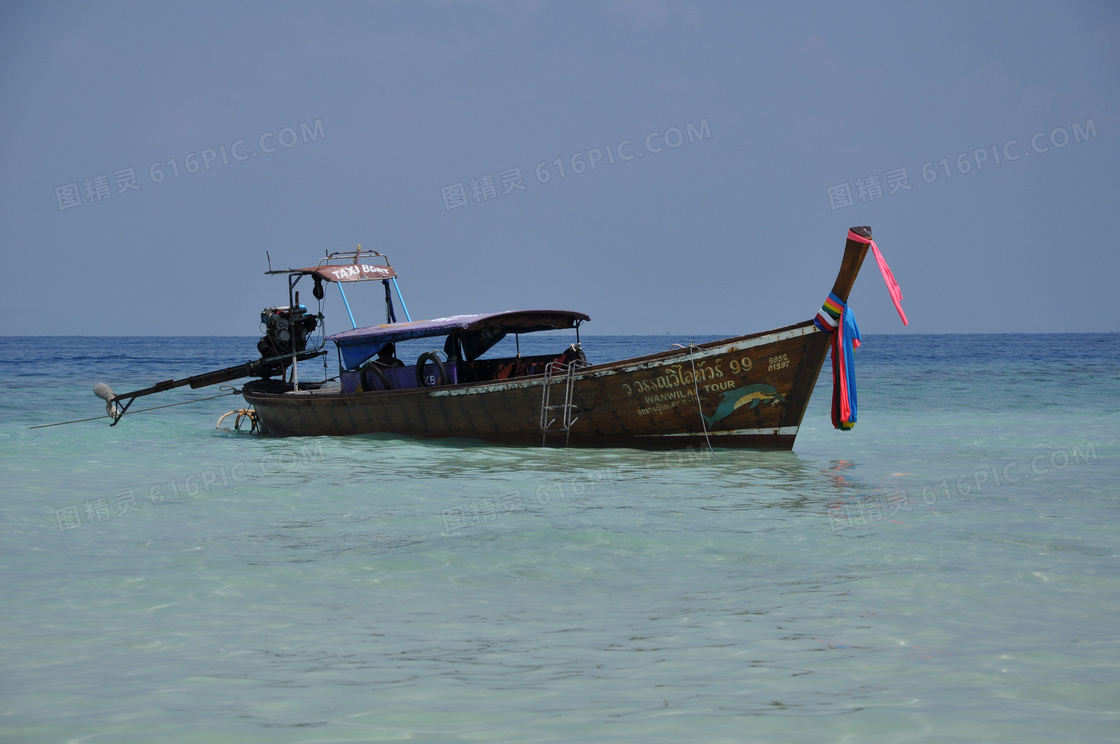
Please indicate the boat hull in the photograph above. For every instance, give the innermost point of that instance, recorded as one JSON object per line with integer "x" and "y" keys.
{"x": 749, "y": 391}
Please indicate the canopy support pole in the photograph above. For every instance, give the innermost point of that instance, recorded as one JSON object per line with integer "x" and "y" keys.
{"x": 293, "y": 301}
{"x": 347, "y": 304}
{"x": 399, "y": 297}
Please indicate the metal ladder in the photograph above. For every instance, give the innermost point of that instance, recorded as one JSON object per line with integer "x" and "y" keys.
{"x": 551, "y": 423}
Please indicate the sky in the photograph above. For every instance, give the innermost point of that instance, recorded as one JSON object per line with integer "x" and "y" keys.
{"x": 688, "y": 168}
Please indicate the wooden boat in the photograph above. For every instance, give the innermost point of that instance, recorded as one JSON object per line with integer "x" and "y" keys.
{"x": 746, "y": 391}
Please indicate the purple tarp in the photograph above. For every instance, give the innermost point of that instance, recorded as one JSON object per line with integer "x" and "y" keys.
{"x": 478, "y": 332}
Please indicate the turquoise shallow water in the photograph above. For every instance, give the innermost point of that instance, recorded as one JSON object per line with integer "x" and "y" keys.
{"x": 947, "y": 571}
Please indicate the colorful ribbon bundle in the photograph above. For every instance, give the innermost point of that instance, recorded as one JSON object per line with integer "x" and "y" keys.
{"x": 836, "y": 317}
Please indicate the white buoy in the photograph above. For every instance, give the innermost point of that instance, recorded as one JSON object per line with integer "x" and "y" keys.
{"x": 103, "y": 391}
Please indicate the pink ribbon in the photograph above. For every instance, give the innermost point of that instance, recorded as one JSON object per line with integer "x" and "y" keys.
{"x": 888, "y": 276}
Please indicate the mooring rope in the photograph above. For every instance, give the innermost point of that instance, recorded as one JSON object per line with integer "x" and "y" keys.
{"x": 696, "y": 388}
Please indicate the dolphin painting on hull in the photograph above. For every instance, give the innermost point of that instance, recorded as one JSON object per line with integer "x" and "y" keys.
{"x": 748, "y": 395}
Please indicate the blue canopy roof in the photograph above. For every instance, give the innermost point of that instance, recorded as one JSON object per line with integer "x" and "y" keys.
{"x": 476, "y": 332}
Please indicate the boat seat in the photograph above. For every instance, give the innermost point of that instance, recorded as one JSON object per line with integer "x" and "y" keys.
{"x": 482, "y": 370}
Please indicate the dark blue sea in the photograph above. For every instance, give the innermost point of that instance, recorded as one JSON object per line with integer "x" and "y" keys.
{"x": 949, "y": 570}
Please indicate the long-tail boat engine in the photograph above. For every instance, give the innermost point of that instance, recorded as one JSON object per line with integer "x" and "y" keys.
{"x": 283, "y": 324}
{"x": 287, "y": 330}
